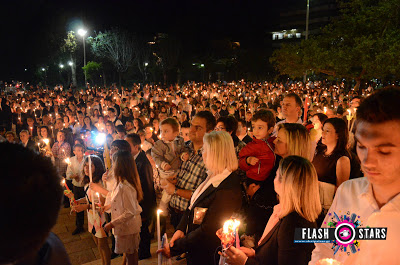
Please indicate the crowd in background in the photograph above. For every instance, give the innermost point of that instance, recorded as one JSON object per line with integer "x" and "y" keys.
{"x": 272, "y": 154}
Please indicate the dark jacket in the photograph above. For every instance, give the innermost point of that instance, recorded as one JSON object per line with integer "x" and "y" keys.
{"x": 32, "y": 145}
{"x": 260, "y": 208}
{"x": 278, "y": 246}
{"x": 201, "y": 241}
{"x": 145, "y": 171}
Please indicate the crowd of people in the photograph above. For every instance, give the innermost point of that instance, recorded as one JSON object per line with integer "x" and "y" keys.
{"x": 276, "y": 156}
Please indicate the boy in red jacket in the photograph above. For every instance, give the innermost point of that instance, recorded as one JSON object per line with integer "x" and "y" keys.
{"x": 257, "y": 158}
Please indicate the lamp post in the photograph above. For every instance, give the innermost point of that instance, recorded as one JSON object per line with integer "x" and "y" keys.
{"x": 307, "y": 20}
{"x": 45, "y": 75}
{"x": 83, "y": 32}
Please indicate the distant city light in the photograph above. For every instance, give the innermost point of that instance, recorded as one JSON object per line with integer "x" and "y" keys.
{"x": 70, "y": 63}
{"x": 43, "y": 69}
{"x": 61, "y": 66}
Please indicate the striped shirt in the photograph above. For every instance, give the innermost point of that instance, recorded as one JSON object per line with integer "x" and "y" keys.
{"x": 192, "y": 173}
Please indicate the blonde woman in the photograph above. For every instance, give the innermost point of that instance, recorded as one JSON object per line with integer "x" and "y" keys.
{"x": 296, "y": 183}
{"x": 293, "y": 139}
{"x": 212, "y": 203}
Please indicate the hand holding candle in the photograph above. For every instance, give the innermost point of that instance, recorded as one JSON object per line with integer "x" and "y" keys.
{"x": 229, "y": 234}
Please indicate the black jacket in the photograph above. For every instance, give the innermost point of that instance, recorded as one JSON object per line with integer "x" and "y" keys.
{"x": 145, "y": 171}
{"x": 278, "y": 246}
{"x": 32, "y": 145}
{"x": 200, "y": 241}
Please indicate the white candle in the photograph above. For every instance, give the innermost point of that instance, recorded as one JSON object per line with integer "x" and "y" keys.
{"x": 159, "y": 235}
{"x": 91, "y": 180}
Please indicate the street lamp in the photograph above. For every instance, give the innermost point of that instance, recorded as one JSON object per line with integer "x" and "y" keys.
{"x": 307, "y": 19}
{"x": 83, "y": 32}
{"x": 146, "y": 64}
{"x": 70, "y": 63}
{"x": 61, "y": 66}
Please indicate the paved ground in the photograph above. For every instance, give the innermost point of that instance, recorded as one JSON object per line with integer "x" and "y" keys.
{"x": 82, "y": 249}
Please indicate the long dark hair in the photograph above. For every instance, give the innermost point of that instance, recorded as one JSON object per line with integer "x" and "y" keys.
{"x": 125, "y": 168}
{"x": 98, "y": 169}
{"x": 342, "y": 133}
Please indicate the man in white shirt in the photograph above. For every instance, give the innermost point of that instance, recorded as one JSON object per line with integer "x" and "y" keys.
{"x": 375, "y": 199}
{"x": 74, "y": 173}
{"x": 291, "y": 110}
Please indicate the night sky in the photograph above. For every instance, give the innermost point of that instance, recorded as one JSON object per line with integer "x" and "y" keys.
{"x": 27, "y": 27}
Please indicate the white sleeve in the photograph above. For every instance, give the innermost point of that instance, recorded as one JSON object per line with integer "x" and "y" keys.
{"x": 324, "y": 250}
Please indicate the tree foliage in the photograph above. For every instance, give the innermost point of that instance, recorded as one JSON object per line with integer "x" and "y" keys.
{"x": 91, "y": 69}
{"x": 362, "y": 43}
{"x": 115, "y": 45}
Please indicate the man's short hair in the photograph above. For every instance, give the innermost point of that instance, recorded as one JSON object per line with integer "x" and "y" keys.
{"x": 173, "y": 122}
{"x": 266, "y": 116}
{"x": 135, "y": 138}
{"x": 296, "y": 97}
{"x": 23, "y": 131}
{"x": 185, "y": 124}
{"x": 381, "y": 106}
{"x": 120, "y": 128}
{"x": 111, "y": 110}
{"x": 121, "y": 145}
{"x": 209, "y": 117}
{"x": 79, "y": 146}
{"x": 230, "y": 123}
{"x": 214, "y": 107}
{"x": 32, "y": 183}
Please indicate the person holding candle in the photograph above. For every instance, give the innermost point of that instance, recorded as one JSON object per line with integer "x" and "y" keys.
{"x": 168, "y": 154}
{"x": 296, "y": 183}
{"x": 96, "y": 218}
{"x": 213, "y": 202}
{"x": 123, "y": 202}
{"x": 332, "y": 160}
{"x": 74, "y": 173}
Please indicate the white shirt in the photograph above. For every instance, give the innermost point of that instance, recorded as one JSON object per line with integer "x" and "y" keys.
{"x": 356, "y": 196}
{"x": 215, "y": 181}
{"x": 75, "y": 168}
{"x": 146, "y": 146}
{"x": 275, "y": 133}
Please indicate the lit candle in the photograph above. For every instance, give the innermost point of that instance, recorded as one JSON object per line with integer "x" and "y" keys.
{"x": 91, "y": 180}
{"x": 67, "y": 161}
{"x": 65, "y": 185}
{"x": 328, "y": 262}
{"x": 159, "y": 234}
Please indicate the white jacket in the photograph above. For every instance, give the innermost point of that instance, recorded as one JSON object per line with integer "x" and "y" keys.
{"x": 125, "y": 209}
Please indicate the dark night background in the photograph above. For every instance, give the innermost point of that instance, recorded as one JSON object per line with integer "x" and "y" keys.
{"x": 29, "y": 28}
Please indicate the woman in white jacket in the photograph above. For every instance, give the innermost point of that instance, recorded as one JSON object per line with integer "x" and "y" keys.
{"x": 123, "y": 203}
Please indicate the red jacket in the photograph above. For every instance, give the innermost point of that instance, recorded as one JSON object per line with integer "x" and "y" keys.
{"x": 264, "y": 151}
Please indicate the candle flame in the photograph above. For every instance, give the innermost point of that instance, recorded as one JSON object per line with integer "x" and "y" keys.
{"x": 159, "y": 211}
{"x": 46, "y": 141}
{"x": 67, "y": 160}
{"x": 231, "y": 225}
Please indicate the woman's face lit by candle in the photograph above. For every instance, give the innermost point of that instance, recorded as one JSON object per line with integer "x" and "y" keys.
{"x": 277, "y": 182}
{"x": 281, "y": 143}
{"x": 86, "y": 168}
{"x": 43, "y": 132}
